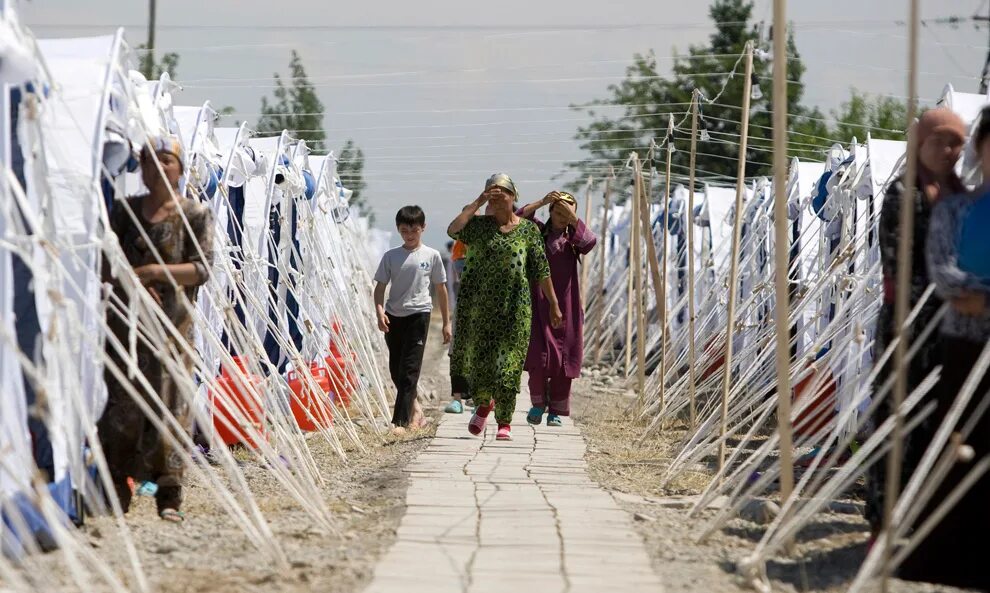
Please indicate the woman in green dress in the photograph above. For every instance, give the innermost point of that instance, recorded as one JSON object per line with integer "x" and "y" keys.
{"x": 505, "y": 254}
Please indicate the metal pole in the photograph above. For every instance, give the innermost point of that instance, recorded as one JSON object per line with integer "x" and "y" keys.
{"x": 781, "y": 248}
{"x": 630, "y": 283}
{"x": 690, "y": 222}
{"x": 664, "y": 317}
{"x": 644, "y": 230}
{"x": 585, "y": 268}
{"x": 602, "y": 252}
{"x": 901, "y": 302}
{"x": 152, "y": 13}
{"x": 734, "y": 267}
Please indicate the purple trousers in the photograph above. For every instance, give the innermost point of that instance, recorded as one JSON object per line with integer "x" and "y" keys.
{"x": 552, "y": 390}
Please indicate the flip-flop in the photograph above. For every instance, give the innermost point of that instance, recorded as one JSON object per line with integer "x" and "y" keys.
{"x": 554, "y": 420}
{"x": 535, "y": 416}
{"x": 171, "y": 515}
{"x": 476, "y": 425}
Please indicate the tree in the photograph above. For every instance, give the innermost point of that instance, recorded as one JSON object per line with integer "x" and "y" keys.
{"x": 884, "y": 118}
{"x": 649, "y": 99}
{"x": 350, "y": 170}
{"x": 154, "y": 71}
{"x": 295, "y": 108}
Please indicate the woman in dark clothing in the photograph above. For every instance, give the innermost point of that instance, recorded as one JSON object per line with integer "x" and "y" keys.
{"x": 940, "y": 134}
{"x": 132, "y": 444}
{"x": 959, "y": 265}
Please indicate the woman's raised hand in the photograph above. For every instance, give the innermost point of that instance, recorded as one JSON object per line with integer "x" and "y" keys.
{"x": 569, "y": 212}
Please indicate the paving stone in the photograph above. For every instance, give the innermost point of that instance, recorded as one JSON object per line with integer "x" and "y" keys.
{"x": 543, "y": 524}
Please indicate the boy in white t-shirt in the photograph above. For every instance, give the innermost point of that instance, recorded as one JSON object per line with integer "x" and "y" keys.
{"x": 405, "y": 317}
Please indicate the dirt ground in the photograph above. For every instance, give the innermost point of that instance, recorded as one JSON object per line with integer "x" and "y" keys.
{"x": 209, "y": 552}
{"x": 827, "y": 554}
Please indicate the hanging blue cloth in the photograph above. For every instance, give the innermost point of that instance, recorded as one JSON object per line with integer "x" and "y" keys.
{"x": 973, "y": 247}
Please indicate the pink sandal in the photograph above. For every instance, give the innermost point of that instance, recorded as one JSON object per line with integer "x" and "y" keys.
{"x": 504, "y": 433}
{"x": 476, "y": 425}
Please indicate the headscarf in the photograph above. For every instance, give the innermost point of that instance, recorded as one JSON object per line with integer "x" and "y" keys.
{"x": 501, "y": 180}
{"x": 939, "y": 121}
{"x": 566, "y": 198}
{"x": 170, "y": 144}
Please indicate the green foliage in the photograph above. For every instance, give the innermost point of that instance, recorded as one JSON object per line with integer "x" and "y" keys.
{"x": 883, "y": 118}
{"x": 154, "y": 71}
{"x": 350, "y": 170}
{"x": 650, "y": 99}
{"x": 646, "y": 100}
{"x": 295, "y": 107}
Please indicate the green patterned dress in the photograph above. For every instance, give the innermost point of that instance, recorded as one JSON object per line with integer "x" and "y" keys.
{"x": 494, "y": 309}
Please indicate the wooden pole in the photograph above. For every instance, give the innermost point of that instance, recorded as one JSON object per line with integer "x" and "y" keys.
{"x": 692, "y": 314}
{"x": 734, "y": 262}
{"x": 901, "y": 302}
{"x": 781, "y": 250}
{"x": 585, "y": 267}
{"x": 651, "y": 253}
{"x": 602, "y": 253}
{"x": 644, "y": 234}
{"x": 630, "y": 282}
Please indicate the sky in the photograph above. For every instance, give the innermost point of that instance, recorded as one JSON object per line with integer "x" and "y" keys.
{"x": 441, "y": 93}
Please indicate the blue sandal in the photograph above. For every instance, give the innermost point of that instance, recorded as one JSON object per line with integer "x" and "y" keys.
{"x": 554, "y": 420}
{"x": 454, "y": 407}
{"x": 535, "y": 416}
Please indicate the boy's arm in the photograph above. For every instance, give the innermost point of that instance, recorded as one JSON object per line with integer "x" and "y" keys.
{"x": 380, "y": 306}
{"x": 444, "y": 302}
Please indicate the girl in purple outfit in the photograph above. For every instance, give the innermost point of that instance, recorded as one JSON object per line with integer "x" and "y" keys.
{"x": 555, "y": 355}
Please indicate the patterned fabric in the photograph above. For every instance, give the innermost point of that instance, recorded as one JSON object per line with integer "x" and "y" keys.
{"x": 501, "y": 180}
{"x": 957, "y": 256}
{"x": 494, "y": 309}
{"x": 132, "y": 444}
{"x": 926, "y": 358}
{"x": 170, "y": 144}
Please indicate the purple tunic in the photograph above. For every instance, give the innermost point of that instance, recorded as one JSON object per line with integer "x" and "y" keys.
{"x": 559, "y": 352}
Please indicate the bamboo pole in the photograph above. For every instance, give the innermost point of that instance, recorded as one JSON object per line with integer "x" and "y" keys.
{"x": 781, "y": 250}
{"x": 901, "y": 302}
{"x": 602, "y": 252}
{"x": 734, "y": 263}
{"x": 644, "y": 234}
{"x": 630, "y": 279}
{"x": 692, "y": 314}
